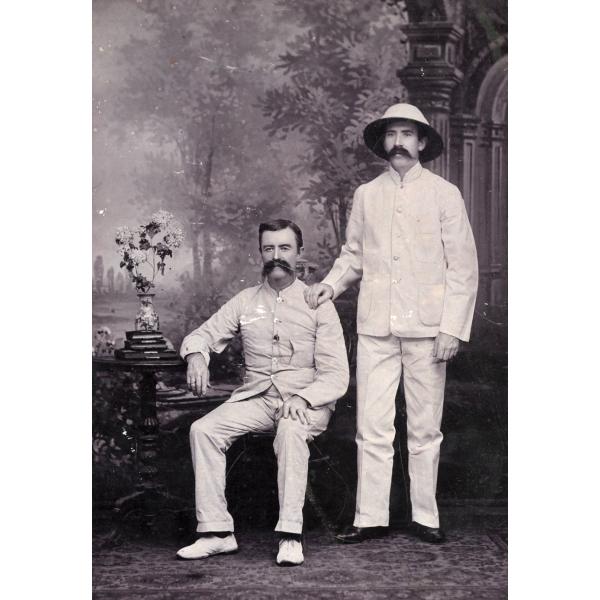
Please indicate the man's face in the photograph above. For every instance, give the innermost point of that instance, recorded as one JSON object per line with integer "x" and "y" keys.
{"x": 402, "y": 144}
{"x": 279, "y": 253}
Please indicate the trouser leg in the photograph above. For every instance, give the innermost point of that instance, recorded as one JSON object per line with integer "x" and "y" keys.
{"x": 424, "y": 381}
{"x": 210, "y": 437}
{"x": 378, "y": 373}
{"x": 291, "y": 449}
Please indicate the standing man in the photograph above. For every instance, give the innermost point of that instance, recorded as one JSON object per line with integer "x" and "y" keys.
{"x": 296, "y": 369}
{"x": 410, "y": 244}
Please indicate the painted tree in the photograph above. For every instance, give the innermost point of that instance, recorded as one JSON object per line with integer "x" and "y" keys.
{"x": 99, "y": 274}
{"x": 191, "y": 84}
{"x": 110, "y": 280}
{"x": 340, "y": 72}
{"x": 120, "y": 285}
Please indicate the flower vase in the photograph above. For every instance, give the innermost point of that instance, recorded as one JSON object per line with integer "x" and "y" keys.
{"x": 146, "y": 319}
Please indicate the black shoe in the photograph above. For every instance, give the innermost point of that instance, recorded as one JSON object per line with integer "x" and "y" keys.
{"x": 432, "y": 535}
{"x": 355, "y": 535}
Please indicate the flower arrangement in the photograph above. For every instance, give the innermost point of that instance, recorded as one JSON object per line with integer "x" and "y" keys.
{"x": 139, "y": 251}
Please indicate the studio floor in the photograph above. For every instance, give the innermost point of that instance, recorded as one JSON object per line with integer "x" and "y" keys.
{"x": 472, "y": 564}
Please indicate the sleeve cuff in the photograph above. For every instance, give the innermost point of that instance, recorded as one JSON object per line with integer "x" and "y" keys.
{"x": 187, "y": 349}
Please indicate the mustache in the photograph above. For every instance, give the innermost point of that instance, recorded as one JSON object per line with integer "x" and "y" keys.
{"x": 399, "y": 150}
{"x": 276, "y": 262}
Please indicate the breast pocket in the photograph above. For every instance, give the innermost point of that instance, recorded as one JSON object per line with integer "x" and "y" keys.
{"x": 428, "y": 239}
{"x": 428, "y": 247}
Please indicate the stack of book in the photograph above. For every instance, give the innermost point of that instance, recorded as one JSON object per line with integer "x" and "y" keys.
{"x": 145, "y": 345}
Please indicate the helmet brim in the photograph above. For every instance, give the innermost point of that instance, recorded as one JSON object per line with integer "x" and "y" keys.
{"x": 374, "y": 132}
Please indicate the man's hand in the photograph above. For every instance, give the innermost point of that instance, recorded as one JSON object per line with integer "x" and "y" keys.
{"x": 297, "y": 408}
{"x": 445, "y": 346}
{"x": 197, "y": 373}
{"x": 318, "y": 293}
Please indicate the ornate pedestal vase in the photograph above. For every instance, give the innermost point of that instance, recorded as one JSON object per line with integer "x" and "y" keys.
{"x": 146, "y": 318}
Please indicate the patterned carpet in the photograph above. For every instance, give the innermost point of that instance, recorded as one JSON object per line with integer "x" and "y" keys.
{"x": 471, "y": 565}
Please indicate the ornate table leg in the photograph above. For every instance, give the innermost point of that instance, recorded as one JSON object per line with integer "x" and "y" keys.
{"x": 150, "y": 496}
{"x": 149, "y": 439}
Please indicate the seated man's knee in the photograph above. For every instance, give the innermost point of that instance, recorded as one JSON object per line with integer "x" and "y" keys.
{"x": 200, "y": 429}
{"x": 291, "y": 428}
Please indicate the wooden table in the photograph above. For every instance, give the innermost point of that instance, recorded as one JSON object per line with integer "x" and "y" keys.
{"x": 150, "y": 496}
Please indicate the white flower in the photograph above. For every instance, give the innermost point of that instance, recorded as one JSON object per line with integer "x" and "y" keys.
{"x": 124, "y": 235}
{"x": 161, "y": 218}
{"x": 173, "y": 235}
{"x": 137, "y": 256}
{"x": 122, "y": 251}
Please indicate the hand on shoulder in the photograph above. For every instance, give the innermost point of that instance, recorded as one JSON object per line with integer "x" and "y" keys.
{"x": 317, "y": 294}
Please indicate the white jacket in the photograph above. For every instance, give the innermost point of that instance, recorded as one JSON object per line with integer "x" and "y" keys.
{"x": 410, "y": 243}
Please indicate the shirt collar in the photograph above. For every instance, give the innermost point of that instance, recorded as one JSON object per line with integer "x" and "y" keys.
{"x": 284, "y": 292}
{"x": 413, "y": 173}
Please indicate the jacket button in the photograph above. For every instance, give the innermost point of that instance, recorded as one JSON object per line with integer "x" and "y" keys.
{"x": 395, "y": 258}
{"x": 276, "y": 337}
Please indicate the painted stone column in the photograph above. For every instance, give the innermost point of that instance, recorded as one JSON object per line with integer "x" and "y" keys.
{"x": 493, "y": 145}
{"x": 464, "y": 131}
{"x": 431, "y": 77}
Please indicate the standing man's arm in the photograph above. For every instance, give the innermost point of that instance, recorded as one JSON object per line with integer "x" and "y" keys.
{"x": 331, "y": 360}
{"x": 461, "y": 277}
{"x": 212, "y": 336}
{"x": 347, "y": 269}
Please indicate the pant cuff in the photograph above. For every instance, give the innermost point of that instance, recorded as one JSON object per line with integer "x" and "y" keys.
{"x": 427, "y": 520}
{"x": 214, "y": 526}
{"x": 289, "y": 526}
{"x": 371, "y": 521}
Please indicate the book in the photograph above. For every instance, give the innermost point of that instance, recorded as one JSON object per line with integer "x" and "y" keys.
{"x": 124, "y": 354}
{"x": 145, "y": 347}
{"x": 144, "y": 335}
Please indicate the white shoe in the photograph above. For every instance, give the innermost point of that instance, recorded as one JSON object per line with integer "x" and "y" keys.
{"x": 207, "y": 546}
{"x": 290, "y": 552}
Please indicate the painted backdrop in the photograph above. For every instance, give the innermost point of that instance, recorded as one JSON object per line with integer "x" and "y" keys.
{"x": 229, "y": 112}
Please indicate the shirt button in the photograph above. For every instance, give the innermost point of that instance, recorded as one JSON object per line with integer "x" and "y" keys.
{"x": 394, "y": 281}
{"x": 398, "y": 210}
{"x": 279, "y": 299}
{"x": 396, "y": 257}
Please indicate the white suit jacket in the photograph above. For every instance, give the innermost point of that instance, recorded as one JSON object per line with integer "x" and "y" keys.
{"x": 410, "y": 243}
{"x": 286, "y": 344}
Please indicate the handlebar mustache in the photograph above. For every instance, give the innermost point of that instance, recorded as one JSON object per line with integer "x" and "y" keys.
{"x": 401, "y": 151}
{"x": 277, "y": 262}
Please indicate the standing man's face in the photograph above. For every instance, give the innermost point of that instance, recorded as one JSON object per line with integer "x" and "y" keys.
{"x": 279, "y": 254}
{"x": 402, "y": 144}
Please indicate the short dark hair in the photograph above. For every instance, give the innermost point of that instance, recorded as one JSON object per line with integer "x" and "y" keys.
{"x": 278, "y": 225}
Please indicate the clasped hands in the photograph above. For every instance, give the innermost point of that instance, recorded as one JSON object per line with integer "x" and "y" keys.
{"x": 295, "y": 407}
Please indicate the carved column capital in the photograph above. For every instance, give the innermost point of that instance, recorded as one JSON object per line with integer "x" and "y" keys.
{"x": 431, "y": 73}
{"x": 465, "y": 126}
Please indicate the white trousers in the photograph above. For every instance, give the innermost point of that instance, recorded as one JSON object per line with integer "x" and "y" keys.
{"x": 380, "y": 361}
{"x": 213, "y": 434}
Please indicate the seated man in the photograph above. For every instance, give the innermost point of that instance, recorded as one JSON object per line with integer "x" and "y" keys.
{"x": 296, "y": 369}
